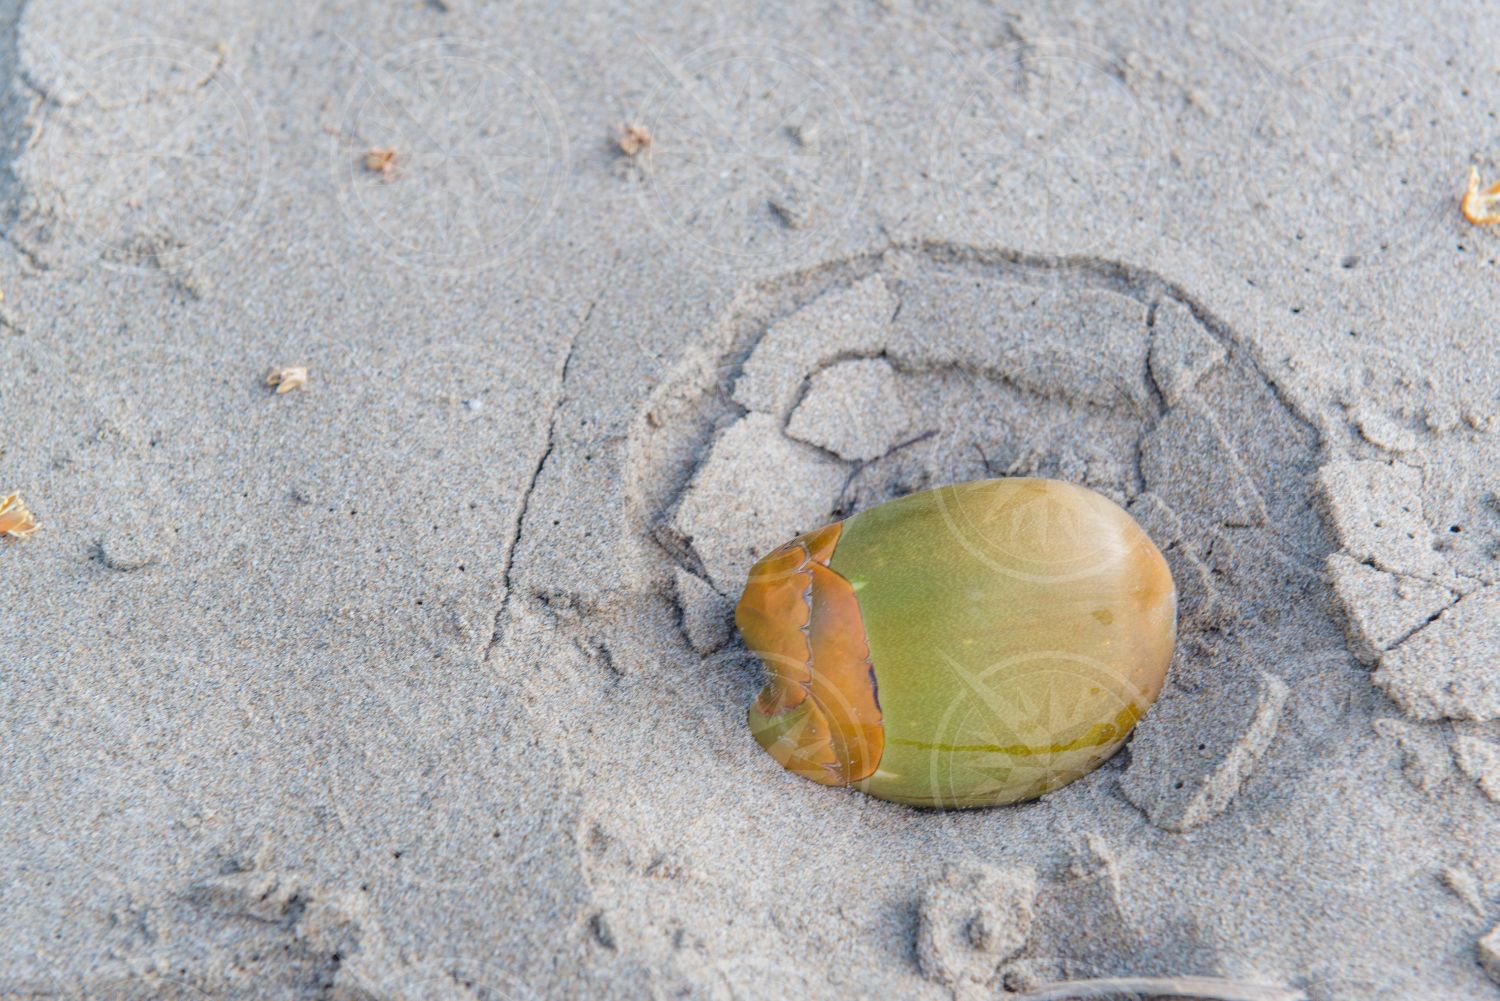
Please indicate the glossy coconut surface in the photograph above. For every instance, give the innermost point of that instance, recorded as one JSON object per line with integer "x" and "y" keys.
{"x": 1016, "y": 630}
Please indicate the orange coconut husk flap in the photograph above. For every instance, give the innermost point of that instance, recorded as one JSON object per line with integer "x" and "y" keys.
{"x": 803, "y": 620}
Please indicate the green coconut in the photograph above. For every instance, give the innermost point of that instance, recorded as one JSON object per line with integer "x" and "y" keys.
{"x": 972, "y": 645}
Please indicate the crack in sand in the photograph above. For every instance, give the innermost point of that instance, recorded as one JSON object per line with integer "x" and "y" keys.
{"x": 1412, "y": 632}
{"x": 716, "y": 405}
{"x": 518, "y": 524}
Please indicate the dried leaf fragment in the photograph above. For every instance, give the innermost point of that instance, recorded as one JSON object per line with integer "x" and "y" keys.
{"x": 381, "y": 160}
{"x": 634, "y": 140}
{"x": 1482, "y": 208}
{"x": 288, "y": 378}
{"x": 16, "y": 520}
{"x": 1206, "y": 988}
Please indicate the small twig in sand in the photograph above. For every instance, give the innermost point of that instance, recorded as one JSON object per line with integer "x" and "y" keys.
{"x": 16, "y": 520}
{"x": 287, "y": 379}
{"x": 1201, "y": 988}
{"x": 988, "y": 469}
{"x": 1482, "y": 208}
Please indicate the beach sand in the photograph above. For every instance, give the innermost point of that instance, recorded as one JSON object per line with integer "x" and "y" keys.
{"x": 418, "y": 680}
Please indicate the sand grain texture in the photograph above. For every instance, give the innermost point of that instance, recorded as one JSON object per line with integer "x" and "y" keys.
{"x": 420, "y": 682}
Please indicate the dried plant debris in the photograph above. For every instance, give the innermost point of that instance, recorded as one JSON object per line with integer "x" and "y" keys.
{"x": 288, "y": 378}
{"x": 1482, "y": 208}
{"x": 634, "y": 140}
{"x": 16, "y": 520}
{"x": 381, "y": 160}
{"x": 1198, "y": 988}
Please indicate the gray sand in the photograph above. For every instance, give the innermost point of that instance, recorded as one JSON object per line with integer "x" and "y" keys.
{"x": 418, "y": 681}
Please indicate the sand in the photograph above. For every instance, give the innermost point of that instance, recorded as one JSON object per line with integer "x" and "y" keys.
{"x": 418, "y": 680}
